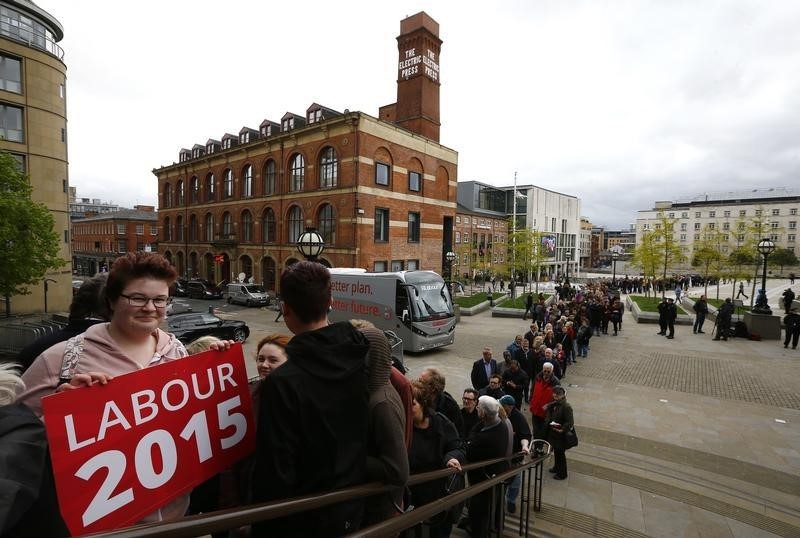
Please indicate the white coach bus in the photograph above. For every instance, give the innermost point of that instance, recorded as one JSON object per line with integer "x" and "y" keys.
{"x": 416, "y": 305}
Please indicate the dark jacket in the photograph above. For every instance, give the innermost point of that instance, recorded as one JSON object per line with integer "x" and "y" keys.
{"x": 560, "y": 412}
{"x": 75, "y": 327}
{"x": 701, "y": 307}
{"x": 487, "y": 443}
{"x": 312, "y": 430}
{"x": 28, "y": 504}
{"x": 448, "y": 407}
{"x": 725, "y": 311}
{"x": 521, "y": 429}
{"x": 430, "y": 450}
{"x": 478, "y": 375}
{"x": 470, "y": 420}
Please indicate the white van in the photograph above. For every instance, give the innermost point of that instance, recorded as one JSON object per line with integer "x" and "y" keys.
{"x": 248, "y": 294}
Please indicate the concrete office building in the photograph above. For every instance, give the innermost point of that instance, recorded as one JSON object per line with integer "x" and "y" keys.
{"x": 776, "y": 208}
{"x": 380, "y": 190}
{"x": 555, "y": 215}
{"x": 33, "y": 128}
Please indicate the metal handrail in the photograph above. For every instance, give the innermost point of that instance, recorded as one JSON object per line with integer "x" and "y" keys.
{"x": 204, "y": 524}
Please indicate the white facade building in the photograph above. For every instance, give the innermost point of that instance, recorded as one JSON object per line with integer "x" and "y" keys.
{"x": 777, "y": 208}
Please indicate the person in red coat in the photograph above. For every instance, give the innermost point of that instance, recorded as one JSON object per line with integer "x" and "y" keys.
{"x": 542, "y": 395}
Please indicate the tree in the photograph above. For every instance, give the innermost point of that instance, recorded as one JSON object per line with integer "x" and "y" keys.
{"x": 525, "y": 247}
{"x": 645, "y": 255}
{"x": 669, "y": 251}
{"x": 782, "y": 257}
{"x": 30, "y": 243}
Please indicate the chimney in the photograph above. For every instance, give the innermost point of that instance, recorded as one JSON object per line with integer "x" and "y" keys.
{"x": 418, "y": 76}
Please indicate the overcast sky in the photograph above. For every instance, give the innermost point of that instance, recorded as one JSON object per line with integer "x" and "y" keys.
{"x": 620, "y": 103}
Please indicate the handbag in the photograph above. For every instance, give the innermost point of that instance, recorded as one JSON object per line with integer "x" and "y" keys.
{"x": 570, "y": 438}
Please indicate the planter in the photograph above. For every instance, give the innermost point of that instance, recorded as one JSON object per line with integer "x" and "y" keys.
{"x": 652, "y": 317}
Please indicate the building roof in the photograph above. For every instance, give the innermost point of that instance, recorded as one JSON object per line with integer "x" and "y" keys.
{"x": 751, "y": 195}
{"x": 123, "y": 214}
{"x": 486, "y": 213}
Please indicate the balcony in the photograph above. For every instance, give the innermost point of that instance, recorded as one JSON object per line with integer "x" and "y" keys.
{"x": 224, "y": 240}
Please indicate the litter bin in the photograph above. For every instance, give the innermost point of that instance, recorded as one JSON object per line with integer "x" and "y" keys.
{"x": 490, "y": 298}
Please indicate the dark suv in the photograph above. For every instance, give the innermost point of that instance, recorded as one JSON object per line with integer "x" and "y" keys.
{"x": 202, "y": 289}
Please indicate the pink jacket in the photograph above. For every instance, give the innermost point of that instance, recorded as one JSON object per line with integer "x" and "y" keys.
{"x": 100, "y": 354}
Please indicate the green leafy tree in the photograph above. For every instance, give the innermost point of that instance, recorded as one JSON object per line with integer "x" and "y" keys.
{"x": 29, "y": 241}
{"x": 525, "y": 248}
{"x": 670, "y": 253}
{"x": 645, "y": 256}
{"x": 782, "y": 257}
{"x": 707, "y": 255}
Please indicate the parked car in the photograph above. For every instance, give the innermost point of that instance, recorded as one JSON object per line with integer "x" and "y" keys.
{"x": 202, "y": 289}
{"x": 189, "y": 327}
{"x": 76, "y": 284}
{"x": 178, "y": 307}
{"x": 248, "y": 294}
{"x": 178, "y": 289}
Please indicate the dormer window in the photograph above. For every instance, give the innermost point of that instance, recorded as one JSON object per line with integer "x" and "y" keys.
{"x": 210, "y": 149}
{"x": 244, "y": 138}
{"x": 288, "y": 124}
{"x": 197, "y": 152}
{"x": 226, "y": 144}
{"x": 314, "y": 116}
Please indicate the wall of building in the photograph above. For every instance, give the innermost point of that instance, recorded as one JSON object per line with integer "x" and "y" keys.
{"x": 43, "y": 101}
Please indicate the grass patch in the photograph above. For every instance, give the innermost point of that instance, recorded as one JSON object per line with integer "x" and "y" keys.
{"x": 473, "y": 300}
{"x": 519, "y": 302}
{"x": 716, "y": 303}
{"x": 646, "y": 304}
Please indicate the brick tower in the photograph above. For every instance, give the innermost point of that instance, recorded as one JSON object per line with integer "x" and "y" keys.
{"x": 418, "y": 77}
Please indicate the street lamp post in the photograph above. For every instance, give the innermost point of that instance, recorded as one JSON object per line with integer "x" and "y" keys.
{"x": 568, "y": 256}
{"x": 450, "y": 256}
{"x": 614, "y": 257}
{"x": 765, "y": 248}
{"x": 310, "y": 244}
{"x": 46, "y": 288}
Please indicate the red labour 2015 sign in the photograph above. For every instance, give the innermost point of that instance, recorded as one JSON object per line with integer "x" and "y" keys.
{"x": 123, "y": 450}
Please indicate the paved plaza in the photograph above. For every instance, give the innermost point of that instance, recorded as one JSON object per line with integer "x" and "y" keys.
{"x": 678, "y": 438}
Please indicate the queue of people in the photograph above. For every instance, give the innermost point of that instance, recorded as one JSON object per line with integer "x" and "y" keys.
{"x": 330, "y": 410}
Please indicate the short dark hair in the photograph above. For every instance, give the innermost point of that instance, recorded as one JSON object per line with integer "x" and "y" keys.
{"x": 139, "y": 264}
{"x": 90, "y": 300}
{"x": 559, "y": 390}
{"x": 472, "y": 391}
{"x": 306, "y": 288}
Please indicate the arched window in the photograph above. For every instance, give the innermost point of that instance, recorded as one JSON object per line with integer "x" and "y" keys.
{"x": 179, "y": 228}
{"x": 268, "y": 226}
{"x": 328, "y": 168}
{"x": 227, "y": 226}
{"x": 193, "y": 227}
{"x": 194, "y": 187}
{"x": 247, "y": 181}
{"x": 326, "y": 222}
{"x": 246, "y": 266}
{"x": 167, "y": 195}
{"x": 208, "y": 260}
{"x": 209, "y": 226}
{"x": 227, "y": 184}
{"x": 247, "y": 226}
{"x": 209, "y": 188}
{"x": 269, "y": 177}
{"x": 167, "y": 229}
{"x": 268, "y": 273}
{"x": 193, "y": 265}
{"x": 297, "y": 173}
{"x": 180, "y": 192}
{"x": 295, "y": 224}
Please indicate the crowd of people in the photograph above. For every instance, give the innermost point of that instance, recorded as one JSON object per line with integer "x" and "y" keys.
{"x": 331, "y": 411}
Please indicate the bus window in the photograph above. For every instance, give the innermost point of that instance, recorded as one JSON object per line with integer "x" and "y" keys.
{"x": 429, "y": 301}
{"x": 401, "y": 302}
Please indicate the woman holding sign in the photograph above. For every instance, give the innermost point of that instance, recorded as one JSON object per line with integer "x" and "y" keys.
{"x": 137, "y": 293}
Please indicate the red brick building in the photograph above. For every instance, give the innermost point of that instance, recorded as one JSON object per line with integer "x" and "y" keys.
{"x": 98, "y": 240}
{"x": 381, "y": 191}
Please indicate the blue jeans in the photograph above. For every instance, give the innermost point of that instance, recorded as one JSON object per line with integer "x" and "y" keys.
{"x": 583, "y": 350}
{"x": 512, "y": 491}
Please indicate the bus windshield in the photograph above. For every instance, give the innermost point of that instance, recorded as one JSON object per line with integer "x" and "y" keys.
{"x": 430, "y": 301}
